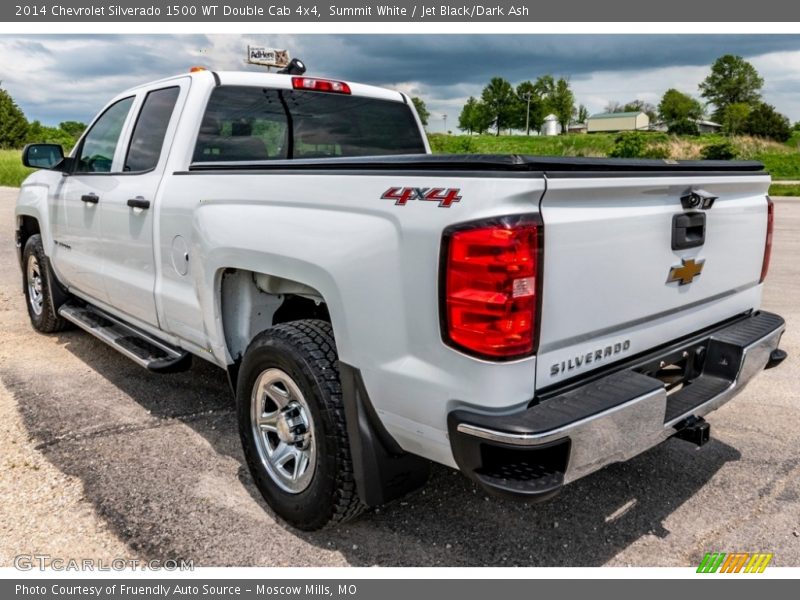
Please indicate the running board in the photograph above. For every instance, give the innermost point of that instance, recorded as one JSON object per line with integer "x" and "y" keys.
{"x": 140, "y": 347}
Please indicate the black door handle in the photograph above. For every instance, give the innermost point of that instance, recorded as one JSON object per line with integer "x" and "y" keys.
{"x": 139, "y": 203}
{"x": 90, "y": 198}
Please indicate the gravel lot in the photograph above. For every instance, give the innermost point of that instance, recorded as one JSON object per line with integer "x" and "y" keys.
{"x": 99, "y": 458}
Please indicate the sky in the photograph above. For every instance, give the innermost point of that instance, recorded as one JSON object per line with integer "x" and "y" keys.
{"x": 56, "y": 78}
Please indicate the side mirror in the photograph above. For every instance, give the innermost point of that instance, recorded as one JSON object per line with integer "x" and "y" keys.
{"x": 42, "y": 156}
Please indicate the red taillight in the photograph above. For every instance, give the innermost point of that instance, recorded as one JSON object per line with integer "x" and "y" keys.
{"x": 312, "y": 84}
{"x": 768, "y": 242}
{"x": 490, "y": 291}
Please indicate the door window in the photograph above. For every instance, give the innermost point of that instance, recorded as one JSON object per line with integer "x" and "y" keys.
{"x": 100, "y": 143}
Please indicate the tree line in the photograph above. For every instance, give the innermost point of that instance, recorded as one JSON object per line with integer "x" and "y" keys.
{"x": 732, "y": 94}
{"x": 16, "y": 131}
{"x": 503, "y": 106}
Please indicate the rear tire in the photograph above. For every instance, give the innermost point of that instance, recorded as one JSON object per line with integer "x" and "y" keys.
{"x": 292, "y": 425}
{"x": 37, "y": 279}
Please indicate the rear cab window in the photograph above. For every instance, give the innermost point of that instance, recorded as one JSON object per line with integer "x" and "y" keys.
{"x": 246, "y": 123}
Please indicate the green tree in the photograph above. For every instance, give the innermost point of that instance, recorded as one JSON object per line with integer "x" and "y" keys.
{"x": 483, "y": 118}
{"x": 422, "y": 110}
{"x": 676, "y": 105}
{"x": 680, "y": 111}
{"x": 501, "y": 103}
{"x": 73, "y": 128}
{"x": 562, "y": 104}
{"x": 765, "y": 121}
{"x": 583, "y": 114}
{"x": 13, "y": 124}
{"x": 732, "y": 80}
{"x": 532, "y": 107}
{"x": 42, "y": 134}
{"x": 469, "y": 113}
{"x": 545, "y": 86}
{"x": 734, "y": 118}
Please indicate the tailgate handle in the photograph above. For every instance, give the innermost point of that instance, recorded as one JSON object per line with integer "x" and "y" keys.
{"x": 688, "y": 230}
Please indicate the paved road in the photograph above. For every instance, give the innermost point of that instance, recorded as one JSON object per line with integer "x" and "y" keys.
{"x": 159, "y": 473}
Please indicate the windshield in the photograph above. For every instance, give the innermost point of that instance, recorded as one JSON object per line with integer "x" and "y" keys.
{"x": 244, "y": 123}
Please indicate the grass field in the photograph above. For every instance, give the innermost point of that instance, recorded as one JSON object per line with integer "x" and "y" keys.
{"x": 781, "y": 160}
{"x": 11, "y": 170}
{"x": 776, "y": 189}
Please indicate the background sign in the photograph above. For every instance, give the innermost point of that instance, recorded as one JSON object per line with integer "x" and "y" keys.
{"x": 267, "y": 57}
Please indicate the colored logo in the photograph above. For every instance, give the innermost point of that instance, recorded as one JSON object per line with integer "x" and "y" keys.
{"x": 686, "y": 271}
{"x": 401, "y": 196}
{"x": 735, "y": 562}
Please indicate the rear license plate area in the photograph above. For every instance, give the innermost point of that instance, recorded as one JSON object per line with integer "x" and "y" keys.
{"x": 677, "y": 369}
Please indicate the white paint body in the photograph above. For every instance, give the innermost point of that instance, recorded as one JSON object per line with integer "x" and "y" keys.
{"x": 606, "y": 258}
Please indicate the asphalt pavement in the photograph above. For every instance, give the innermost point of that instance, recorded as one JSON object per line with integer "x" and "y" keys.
{"x": 120, "y": 461}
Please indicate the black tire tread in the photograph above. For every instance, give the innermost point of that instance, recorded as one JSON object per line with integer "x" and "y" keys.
{"x": 49, "y": 321}
{"x": 314, "y": 339}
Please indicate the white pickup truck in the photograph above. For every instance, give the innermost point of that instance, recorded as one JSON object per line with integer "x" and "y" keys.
{"x": 526, "y": 320}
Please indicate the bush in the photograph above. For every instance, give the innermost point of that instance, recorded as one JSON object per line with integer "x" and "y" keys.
{"x": 656, "y": 152}
{"x": 721, "y": 151}
{"x": 42, "y": 134}
{"x": 684, "y": 127}
{"x": 629, "y": 144}
{"x": 765, "y": 121}
{"x": 634, "y": 144}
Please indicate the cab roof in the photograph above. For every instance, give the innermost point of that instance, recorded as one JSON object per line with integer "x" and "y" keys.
{"x": 275, "y": 80}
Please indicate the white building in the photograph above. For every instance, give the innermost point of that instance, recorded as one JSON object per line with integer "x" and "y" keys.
{"x": 551, "y": 126}
{"x": 623, "y": 121}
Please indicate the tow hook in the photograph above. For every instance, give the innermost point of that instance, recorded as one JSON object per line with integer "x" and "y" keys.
{"x": 696, "y": 430}
{"x": 776, "y": 357}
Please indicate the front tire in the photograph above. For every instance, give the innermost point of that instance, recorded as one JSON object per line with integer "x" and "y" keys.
{"x": 292, "y": 424}
{"x": 37, "y": 279}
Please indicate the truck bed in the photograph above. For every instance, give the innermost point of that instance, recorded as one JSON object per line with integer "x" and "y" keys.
{"x": 552, "y": 166}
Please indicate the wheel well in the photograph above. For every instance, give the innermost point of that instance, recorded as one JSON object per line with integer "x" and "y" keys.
{"x": 27, "y": 226}
{"x": 252, "y": 302}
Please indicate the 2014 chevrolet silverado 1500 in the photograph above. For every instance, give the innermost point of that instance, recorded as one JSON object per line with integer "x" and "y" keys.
{"x": 526, "y": 320}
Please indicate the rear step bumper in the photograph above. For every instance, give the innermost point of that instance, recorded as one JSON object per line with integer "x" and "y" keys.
{"x": 533, "y": 453}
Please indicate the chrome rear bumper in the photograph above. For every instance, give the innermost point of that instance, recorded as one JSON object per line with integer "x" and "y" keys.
{"x": 612, "y": 419}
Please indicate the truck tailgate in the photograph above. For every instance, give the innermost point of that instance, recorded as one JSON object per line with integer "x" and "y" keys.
{"x": 610, "y": 291}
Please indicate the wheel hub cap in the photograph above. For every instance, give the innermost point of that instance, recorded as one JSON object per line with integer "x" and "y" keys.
{"x": 283, "y": 430}
{"x": 34, "y": 279}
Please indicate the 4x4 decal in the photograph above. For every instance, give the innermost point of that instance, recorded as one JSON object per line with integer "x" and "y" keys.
{"x": 401, "y": 195}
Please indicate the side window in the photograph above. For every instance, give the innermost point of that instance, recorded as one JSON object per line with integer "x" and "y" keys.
{"x": 150, "y": 129}
{"x": 98, "y": 147}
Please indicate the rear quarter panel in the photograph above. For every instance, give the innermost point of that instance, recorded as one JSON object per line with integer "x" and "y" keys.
{"x": 377, "y": 266}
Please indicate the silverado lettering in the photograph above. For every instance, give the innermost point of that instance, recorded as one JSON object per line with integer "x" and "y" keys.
{"x": 589, "y": 357}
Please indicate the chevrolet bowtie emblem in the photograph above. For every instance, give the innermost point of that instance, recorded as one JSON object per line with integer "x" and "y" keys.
{"x": 686, "y": 271}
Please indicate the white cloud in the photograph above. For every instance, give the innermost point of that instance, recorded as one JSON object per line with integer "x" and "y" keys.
{"x": 56, "y": 78}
